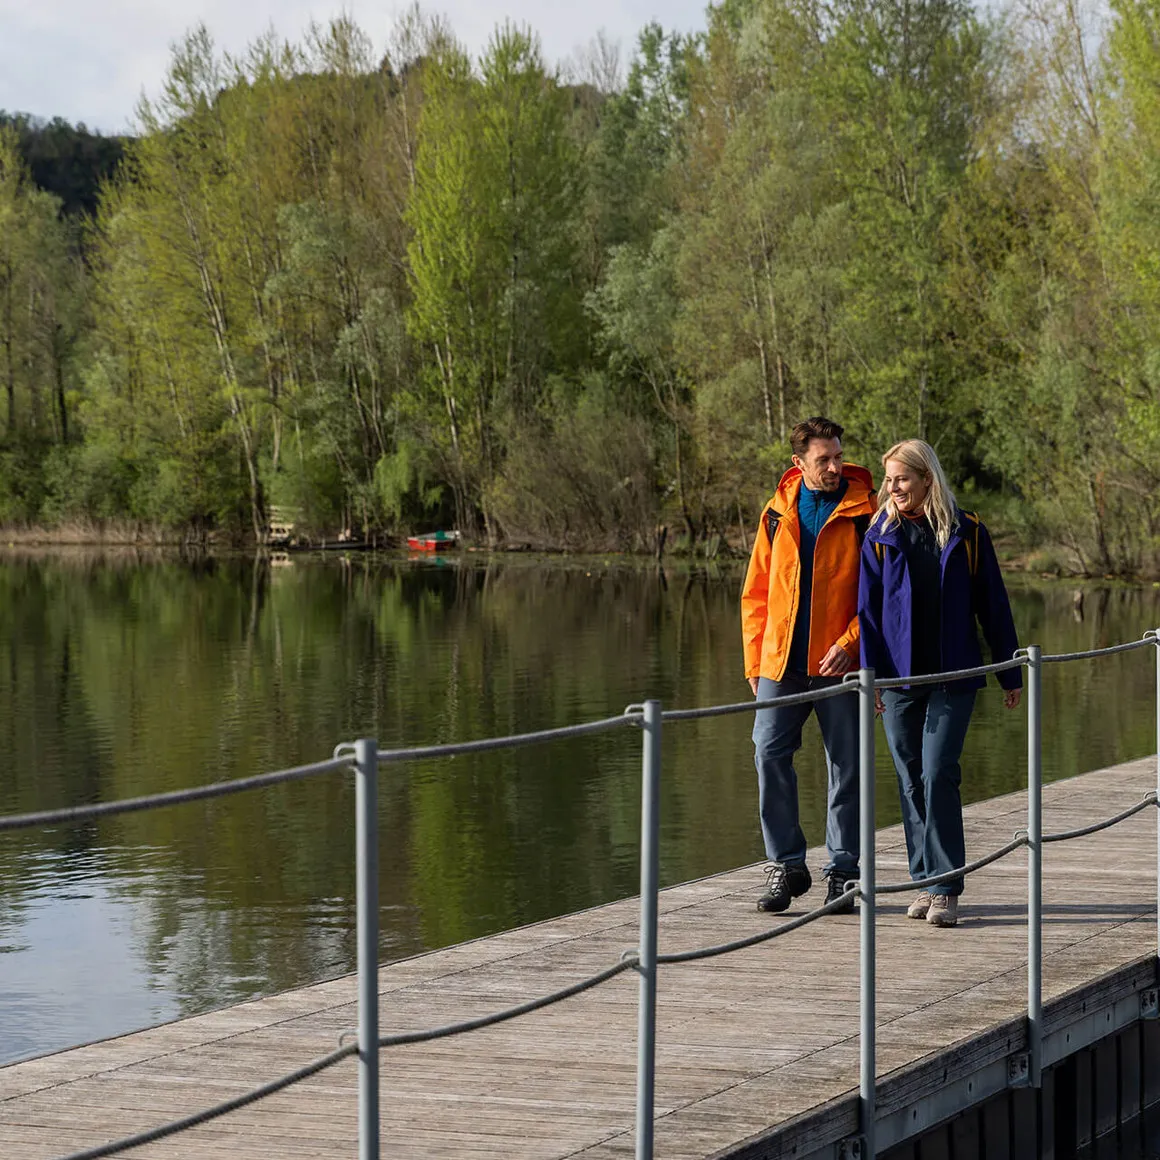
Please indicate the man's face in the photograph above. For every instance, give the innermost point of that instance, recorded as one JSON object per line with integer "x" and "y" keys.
{"x": 821, "y": 466}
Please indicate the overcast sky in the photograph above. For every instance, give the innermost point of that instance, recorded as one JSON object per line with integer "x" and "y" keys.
{"x": 90, "y": 60}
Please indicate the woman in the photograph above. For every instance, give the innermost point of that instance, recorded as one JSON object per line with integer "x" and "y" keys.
{"x": 928, "y": 573}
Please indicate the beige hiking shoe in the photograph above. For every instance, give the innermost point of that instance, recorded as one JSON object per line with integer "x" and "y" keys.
{"x": 919, "y": 907}
{"x": 944, "y": 910}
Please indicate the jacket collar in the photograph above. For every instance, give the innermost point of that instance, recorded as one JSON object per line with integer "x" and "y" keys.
{"x": 892, "y": 536}
{"x": 856, "y": 501}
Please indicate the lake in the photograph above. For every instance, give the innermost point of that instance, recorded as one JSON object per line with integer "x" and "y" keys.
{"x": 122, "y": 675}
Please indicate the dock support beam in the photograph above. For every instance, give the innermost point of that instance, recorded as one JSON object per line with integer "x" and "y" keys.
{"x": 650, "y": 809}
{"x": 867, "y": 1015}
{"x": 366, "y": 753}
{"x": 1034, "y": 866}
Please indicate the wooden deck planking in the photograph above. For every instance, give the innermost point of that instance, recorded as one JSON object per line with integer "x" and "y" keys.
{"x": 744, "y": 1041}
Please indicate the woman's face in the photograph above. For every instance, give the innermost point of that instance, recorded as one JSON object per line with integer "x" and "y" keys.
{"x": 906, "y": 486}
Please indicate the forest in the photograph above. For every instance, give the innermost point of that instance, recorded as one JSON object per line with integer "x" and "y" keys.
{"x": 569, "y": 306}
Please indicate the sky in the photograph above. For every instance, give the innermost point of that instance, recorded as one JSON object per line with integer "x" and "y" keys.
{"x": 90, "y": 60}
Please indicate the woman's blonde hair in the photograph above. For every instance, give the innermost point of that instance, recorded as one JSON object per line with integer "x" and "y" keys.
{"x": 939, "y": 504}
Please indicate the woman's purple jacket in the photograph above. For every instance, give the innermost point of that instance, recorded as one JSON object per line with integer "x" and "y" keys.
{"x": 884, "y": 606}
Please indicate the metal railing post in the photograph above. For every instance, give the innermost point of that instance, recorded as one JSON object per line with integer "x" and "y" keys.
{"x": 367, "y": 887}
{"x": 649, "y": 876}
{"x": 1157, "y": 636}
{"x": 867, "y": 1015}
{"x": 1034, "y": 866}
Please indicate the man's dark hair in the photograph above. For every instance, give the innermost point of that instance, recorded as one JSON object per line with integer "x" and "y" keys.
{"x": 815, "y": 428}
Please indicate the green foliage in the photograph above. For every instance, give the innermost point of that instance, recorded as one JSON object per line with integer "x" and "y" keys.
{"x": 494, "y": 304}
{"x": 581, "y": 474}
{"x": 88, "y": 481}
{"x": 40, "y": 287}
{"x": 431, "y": 288}
{"x": 406, "y": 483}
{"x": 68, "y": 161}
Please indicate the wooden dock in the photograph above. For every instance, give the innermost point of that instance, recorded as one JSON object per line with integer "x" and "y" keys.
{"x": 745, "y": 1041}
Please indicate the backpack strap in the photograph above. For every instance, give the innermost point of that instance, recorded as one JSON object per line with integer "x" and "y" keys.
{"x": 772, "y": 519}
{"x": 861, "y": 527}
{"x": 971, "y": 540}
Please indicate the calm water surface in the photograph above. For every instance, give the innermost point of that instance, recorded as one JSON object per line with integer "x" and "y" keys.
{"x": 120, "y": 677}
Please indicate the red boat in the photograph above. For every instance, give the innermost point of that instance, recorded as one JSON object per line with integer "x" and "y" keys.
{"x": 432, "y": 541}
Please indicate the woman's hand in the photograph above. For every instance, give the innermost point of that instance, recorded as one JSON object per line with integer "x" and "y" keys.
{"x": 1011, "y": 698}
{"x": 879, "y": 707}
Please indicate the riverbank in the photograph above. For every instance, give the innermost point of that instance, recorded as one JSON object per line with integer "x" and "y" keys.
{"x": 1044, "y": 563}
{"x": 80, "y": 533}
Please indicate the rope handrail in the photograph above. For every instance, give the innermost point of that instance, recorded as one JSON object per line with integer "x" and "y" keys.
{"x": 172, "y": 798}
{"x": 207, "y": 1114}
{"x": 514, "y": 741}
{"x": 344, "y": 759}
{"x": 844, "y": 688}
{"x": 753, "y": 939}
{"x": 1149, "y": 638}
{"x": 631, "y": 960}
{"x": 939, "y": 879}
{"x": 70, "y": 814}
{"x": 1015, "y": 662}
{"x": 628, "y": 962}
{"x": 1149, "y": 799}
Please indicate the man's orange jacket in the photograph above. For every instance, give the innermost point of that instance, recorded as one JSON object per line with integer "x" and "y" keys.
{"x": 769, "y": 600}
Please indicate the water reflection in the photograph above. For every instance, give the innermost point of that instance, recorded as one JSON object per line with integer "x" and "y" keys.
{"x": 122, "y": 676}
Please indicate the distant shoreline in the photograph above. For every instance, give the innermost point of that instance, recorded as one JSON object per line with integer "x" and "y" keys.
{"x": 122, "y": 541}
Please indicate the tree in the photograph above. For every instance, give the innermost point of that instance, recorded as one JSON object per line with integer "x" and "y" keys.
{"x": 40, "y": 284}
{"x": 493, "y": 304}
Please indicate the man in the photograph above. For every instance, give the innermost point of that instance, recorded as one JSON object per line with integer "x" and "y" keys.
{"x": 799, "y": 623}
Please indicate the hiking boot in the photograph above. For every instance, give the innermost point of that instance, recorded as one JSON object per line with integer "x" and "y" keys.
{"x": 944, "y": 910}
{"x": 919, "y": 907}
{"x": 784, "y": 882}
{"x": 841, "y": 884}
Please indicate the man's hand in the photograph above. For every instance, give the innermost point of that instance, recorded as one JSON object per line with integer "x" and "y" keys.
{"x": 879, "y": 704}
{"x": 753, "y": 684}
{"x": 836, "y": 662}
{"x": 1011, "y": 698}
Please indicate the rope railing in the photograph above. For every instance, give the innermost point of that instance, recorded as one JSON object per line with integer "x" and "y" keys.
{"x": 1149, "y": 799}
{"x": 177, "y": 797}
{"x": 628, "y": 962}
{"x": 225, "y": 1107}
{"x": 71, "y": 814}
{"x": 1016, "y": 843}
{"x": 751, "y": 706}
{"x": 1016, "y": 662}
{"x": 515, "y": 741}
{"x": 365, "y": 757}
{"x": 754, "y": 939}
{"x": 1060, "y": 658}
